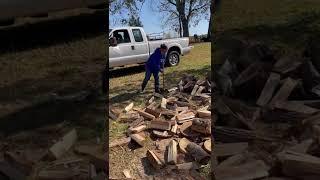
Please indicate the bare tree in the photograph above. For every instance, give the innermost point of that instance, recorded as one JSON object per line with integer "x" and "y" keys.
{"x": 183, "y": 12}
{"x": 119, "y": 6}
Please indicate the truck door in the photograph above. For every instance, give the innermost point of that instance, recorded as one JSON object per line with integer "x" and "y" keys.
{"x": 121, "y": 54}
{"x": 140, "y": 46}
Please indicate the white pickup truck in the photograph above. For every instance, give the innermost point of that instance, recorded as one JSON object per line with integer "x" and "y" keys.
{"x": 131, "y": 45}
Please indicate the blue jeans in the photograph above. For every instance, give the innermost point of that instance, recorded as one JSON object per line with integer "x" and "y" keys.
{"x": 156, "y": 80}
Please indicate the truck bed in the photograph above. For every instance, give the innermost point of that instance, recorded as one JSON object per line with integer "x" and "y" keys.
{"x": 156, "y": 43}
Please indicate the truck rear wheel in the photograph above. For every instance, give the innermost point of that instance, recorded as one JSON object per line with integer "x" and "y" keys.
{"x": 173, "y": 58}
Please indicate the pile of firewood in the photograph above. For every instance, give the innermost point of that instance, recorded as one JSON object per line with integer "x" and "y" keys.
{"x": 62, "y": 159}
{"x": 267, "y": 119}
{"x": 178, "y": 123}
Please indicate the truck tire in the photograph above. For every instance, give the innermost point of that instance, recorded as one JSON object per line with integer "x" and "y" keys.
{"x": 173, "y": 58}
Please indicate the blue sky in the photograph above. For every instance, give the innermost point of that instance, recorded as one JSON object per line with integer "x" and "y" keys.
{"x": 152, "y": 22}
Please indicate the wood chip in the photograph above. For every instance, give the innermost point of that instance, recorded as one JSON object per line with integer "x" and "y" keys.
{"x": 180, "y": 109}
{"x": 61, "y": 147}
{"x": 286, "y": 64}
{"x": 172, "y": 152}
{"x": 269, "y": 88}
{"x": 174, "y": 128}
{"x": 127, "y": 173}
{"x": 129, "y": 107}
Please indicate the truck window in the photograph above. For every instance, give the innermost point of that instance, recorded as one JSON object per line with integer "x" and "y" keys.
{"x": 122, "y": 36}
{"x": 137, "y": 35}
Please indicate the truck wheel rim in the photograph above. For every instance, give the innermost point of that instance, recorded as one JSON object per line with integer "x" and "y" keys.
{"x": 173, "y": 59}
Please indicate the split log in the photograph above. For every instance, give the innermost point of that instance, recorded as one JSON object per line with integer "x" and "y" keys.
{"x": 284, "y": 92}
{"x": 174, "y": 128}
{"x": 251, "y": 170}
{"x": 151, "y": 100}
{"x": 230, "y": 149}
{"x": 158, "y": 95}
{"x": 302, "y": 147}
{"x": 183, "y": 143}
{"x": 204, "y": 114}
{"x": 180, "y": 86}
{"x": 200, "y": 89}
{"x": 269, "y": 88}
{"x": 194, "y": 90}
{"x": 313, "y": 120}
{"x": 153, "y": 112}
{"x": 146, "y": 115}
{"x": 179, "y": 109}
{"x": 231, "y": 135}
{"x": 187, "y": 166}
{"x": 286, "y": 64}
{"x": 61, "y": 147}
{"x": 92, "y": 171}
{"x": 173, "y": 89}
{"x": 172, "y": 152}
{"x": 235, "y": 160}
{"x": 164, "y": 103}
{"x": 129, "y": 107}
{"x": 185, "y": 116}
{"x": 299, "y": 164}
{"x": 159, "y": 124}
{"x": 198, "y": 153}
{"x": 154, "y": 160}
{"x": 154, "y": 105}
{"x": 248, "y": 74}
{"x": 161, "y": 134}
{"x": 136, "y": 122}
{"x": 207, "y": 145}
{"x": 201, "y": 125}
{"x": 296, "y": 107}
{"x": 57, "y": 174}
{"x": 96, "y": 154}
{"x": 137, "y": 129}
{"x": 138, "y": 139}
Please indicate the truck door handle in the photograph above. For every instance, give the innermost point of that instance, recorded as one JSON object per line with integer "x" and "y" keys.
{"x": 132, "y": 47}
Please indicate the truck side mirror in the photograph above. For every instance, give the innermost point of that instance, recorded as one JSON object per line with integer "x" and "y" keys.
{"x": 112, "y": 41}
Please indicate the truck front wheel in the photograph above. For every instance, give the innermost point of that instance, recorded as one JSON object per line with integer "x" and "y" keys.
{"x": 173, "y": 58}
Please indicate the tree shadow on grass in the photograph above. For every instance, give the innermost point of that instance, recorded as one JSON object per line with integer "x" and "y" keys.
{"x": 126, "y": 71}
{"x": 293, "y": 35}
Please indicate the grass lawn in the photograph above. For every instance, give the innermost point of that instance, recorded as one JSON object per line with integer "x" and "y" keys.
{"x": 122, "y": 90}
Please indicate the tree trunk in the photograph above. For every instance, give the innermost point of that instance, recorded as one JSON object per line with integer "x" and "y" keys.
{"x": 180, "y": 28}
{"x": 185, "y": 26}
{"x": 210, "y": 28}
